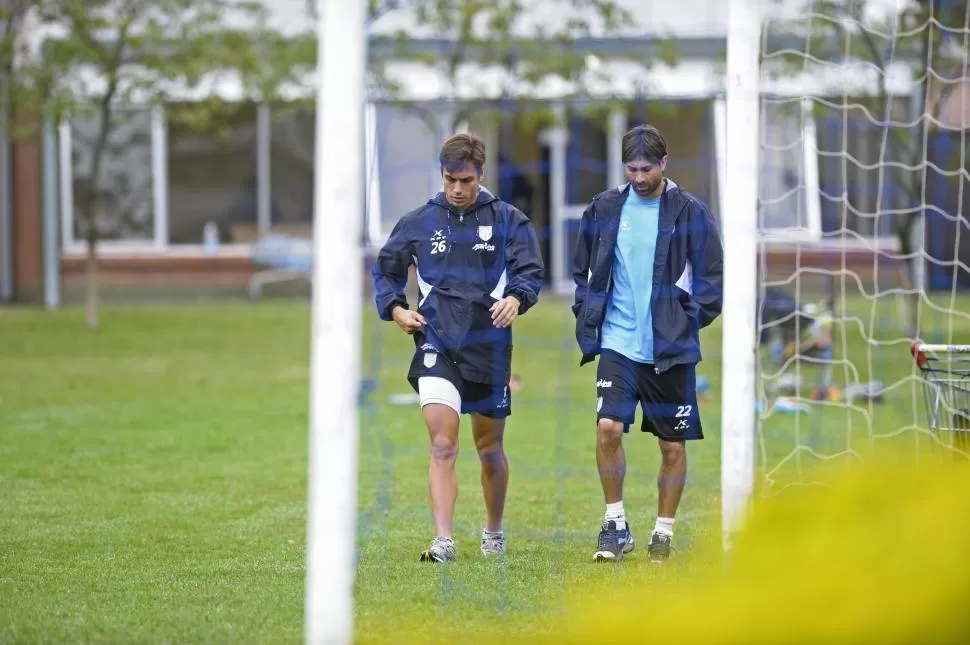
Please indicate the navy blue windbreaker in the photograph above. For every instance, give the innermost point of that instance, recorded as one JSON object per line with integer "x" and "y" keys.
{"x": 463, "y": 265}
{"x": 687, "y": 272}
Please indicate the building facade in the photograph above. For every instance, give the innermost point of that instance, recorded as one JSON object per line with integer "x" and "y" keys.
{"x": 187, "y": 206}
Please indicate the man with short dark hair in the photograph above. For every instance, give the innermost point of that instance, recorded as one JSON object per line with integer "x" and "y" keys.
{"x": 647, "y": 269}
{"x": 478, "y": 267}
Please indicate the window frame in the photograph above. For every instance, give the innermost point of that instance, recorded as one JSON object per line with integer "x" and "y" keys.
{"x": 812, "y": 233}
{"x": 73, "y": 245}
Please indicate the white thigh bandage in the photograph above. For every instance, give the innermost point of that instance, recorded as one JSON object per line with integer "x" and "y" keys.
{"x": 434, "y": 389}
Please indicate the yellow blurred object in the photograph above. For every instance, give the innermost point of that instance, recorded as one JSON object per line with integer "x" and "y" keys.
{"x": 880, "y": 555}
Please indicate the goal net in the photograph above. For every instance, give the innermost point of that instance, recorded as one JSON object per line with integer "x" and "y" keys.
{"x": 863, "y": 245}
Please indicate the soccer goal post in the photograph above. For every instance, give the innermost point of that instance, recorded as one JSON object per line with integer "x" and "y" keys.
{"x": 336, "y": 323}
{"x": 739, "y": 230}
{"x": 846, "y": 171}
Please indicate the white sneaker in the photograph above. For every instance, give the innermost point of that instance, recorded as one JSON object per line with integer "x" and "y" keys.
{"x": 442, "y": 549}
{"x": 493, "y": 544}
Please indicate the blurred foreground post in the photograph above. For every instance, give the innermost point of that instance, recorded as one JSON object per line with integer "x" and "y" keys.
{"x": 739, "y": 227}
{"x": 336, "y": 311}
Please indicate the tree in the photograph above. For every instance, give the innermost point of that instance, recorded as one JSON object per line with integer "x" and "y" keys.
{"x": 12, "y": 13}
{"x": 928, "y": 35}
{"x": 493, "y": 33}
{"x": 109, "y": 56}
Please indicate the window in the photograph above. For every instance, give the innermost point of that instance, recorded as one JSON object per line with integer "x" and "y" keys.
{"x": 788, "y": 169}
{"x": 212, "y": 176}
{"x": 783, "y": 179}
{"x": 407, "y": 153}
{"x": 857, "y": 187}
{"x": 587, "y": 170}
{"x": 947, "y": 208}
{"x": 292, "y": 139}
{"x": 122, "y": 198}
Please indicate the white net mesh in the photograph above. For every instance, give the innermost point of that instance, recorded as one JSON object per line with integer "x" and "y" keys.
{"x": 863, "y": 210}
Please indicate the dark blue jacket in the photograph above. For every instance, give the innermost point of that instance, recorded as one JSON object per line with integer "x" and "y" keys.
{"x": 463, "y": 265}
{"x": 687, "y": 272}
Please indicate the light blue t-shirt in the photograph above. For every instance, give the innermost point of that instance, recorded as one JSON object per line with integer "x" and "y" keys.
{"x": 628, "y": 326}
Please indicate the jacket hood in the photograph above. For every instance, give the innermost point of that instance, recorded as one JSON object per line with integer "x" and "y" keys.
{"x": 485, "y": 196}
{"x": 670, "y": 187}
{"x": 613, "y": 199}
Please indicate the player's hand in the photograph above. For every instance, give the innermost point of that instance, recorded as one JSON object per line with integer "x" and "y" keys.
{"x": 505, "y": 311}
{"x": 408, "y": 320}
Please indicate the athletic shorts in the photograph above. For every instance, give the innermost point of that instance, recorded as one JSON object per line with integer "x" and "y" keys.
{"x": 668, "y": 401}
{"x": 436, "y": 379}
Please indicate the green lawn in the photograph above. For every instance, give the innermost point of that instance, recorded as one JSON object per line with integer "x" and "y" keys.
{"x": 153, "y": 477}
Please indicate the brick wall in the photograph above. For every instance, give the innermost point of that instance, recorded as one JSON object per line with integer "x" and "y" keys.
{"x": 27, "y": 250}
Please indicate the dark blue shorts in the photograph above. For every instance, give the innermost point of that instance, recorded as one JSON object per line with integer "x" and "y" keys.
{"x": 668, "y": 401}
{"x": 492, "y": 400}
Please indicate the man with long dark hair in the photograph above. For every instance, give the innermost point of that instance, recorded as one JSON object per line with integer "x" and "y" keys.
{"x": 647, "y": 269}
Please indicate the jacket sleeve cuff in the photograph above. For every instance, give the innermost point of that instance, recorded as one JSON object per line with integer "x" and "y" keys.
{"x": 521, "y": 296}
{"x": 389, "y": 309}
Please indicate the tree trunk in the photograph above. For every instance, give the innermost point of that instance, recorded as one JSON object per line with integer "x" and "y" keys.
{"x": 92, "y": 300}
{"x": 907, "y": 302}
{"x": 89, "y": 212}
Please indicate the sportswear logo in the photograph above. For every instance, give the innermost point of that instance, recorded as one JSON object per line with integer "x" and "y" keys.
{"x": 481, "y": 246}
{"x": 505, "y": 398}
{"x": 428, "y": 347}
{"x": 485, "y": 233}
{"x": 682, "y": 425}
{"x": 604, "y": 383}
{"x": 430, "y": 359}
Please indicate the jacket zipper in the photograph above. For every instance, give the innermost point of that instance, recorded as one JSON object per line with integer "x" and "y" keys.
{"x": 656, "y": 280}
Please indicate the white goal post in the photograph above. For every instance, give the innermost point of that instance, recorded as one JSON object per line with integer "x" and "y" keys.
{"x": 740, "y": 231}
{"x": 335, "y": 351}
{"x": 853, "y": 117}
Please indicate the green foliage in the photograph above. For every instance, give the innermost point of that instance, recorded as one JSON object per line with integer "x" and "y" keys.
{"x": 104, "y": 58}
{"x": 12, "y": 14}
{"x": 113, "y": 55}
{"x": 489, "y": 33}
{"x": 143, "y": 51}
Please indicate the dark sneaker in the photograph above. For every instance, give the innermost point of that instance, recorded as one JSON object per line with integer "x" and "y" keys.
{"x": 442, "y": 549}
{"x": 613, "y": 543}
{"x": 659, "y": 547}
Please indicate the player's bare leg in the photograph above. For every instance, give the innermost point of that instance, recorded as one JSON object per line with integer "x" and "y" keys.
{"x": 615, "y": 538}
{"x": 489, "y": 435}
{"x": 442, "y": 422}
{"x": 610, "y": 458}
{"x": 670, "y": 488}
{"x": 672, "y": 478}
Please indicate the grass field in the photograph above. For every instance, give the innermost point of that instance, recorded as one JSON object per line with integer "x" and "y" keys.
{"x": 153, "y": 477}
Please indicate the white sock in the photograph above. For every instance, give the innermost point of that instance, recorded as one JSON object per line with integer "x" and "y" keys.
{"x": 664, "y": 525}
{"x": 498, "y": 533}
{"x": 616, "y": 513}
